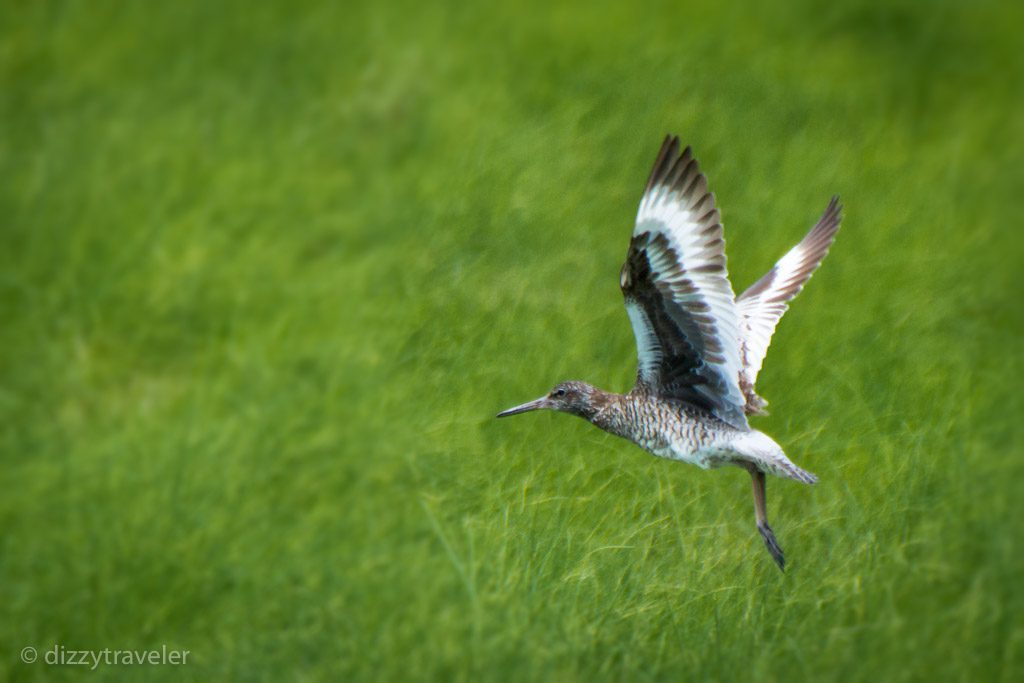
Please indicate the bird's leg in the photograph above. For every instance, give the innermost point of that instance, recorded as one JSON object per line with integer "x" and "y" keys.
{"x": 761, "y": 511}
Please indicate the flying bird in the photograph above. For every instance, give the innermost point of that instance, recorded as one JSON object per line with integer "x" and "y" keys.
{"x": 699, "y": 346}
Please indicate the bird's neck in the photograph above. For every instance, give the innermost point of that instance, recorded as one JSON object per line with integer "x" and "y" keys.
{"x": 606, "y": 410}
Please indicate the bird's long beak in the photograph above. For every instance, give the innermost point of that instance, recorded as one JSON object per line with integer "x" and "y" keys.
{"x": 540, "y": 403}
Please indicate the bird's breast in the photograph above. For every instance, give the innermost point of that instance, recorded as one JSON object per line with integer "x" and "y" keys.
{"x": 667, "y": 430}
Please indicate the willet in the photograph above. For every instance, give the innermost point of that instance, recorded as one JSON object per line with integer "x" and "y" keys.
{"x": 699, "y": 346}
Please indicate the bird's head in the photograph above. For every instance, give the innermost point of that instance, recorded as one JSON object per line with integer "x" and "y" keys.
{"x": 577, "y": 398}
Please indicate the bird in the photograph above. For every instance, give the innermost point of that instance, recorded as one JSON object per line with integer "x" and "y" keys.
{"x": 699, "y": 346}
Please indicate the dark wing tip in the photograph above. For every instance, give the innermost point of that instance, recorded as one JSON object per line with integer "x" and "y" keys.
{"x": 834, "y": 211}
{"x": 679, "y": 172}
{"x": 663, "y": 163}
{"x": 824, "y": 231}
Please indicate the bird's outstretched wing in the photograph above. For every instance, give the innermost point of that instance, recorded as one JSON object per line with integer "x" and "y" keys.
{"x": 677, "y": 292}
{"x": 762, "y": 305}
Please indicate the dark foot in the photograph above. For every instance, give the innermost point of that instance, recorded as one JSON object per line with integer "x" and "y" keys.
{"x": 773, "y": 546}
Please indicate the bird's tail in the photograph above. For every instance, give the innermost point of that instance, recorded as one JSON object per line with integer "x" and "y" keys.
{"x": 760, "y": 450}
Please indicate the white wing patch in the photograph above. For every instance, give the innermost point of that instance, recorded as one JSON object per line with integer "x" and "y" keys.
{"x": 647, "y": 348}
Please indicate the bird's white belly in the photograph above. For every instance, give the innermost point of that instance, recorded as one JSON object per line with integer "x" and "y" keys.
{"x": 706, "y": 457}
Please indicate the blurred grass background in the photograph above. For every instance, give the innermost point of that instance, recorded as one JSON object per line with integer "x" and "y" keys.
{"x": 269, "y": 269}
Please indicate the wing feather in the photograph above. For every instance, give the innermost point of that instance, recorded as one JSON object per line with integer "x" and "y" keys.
{"x": 762, "y": 305}
{"x": 677, "y": 291}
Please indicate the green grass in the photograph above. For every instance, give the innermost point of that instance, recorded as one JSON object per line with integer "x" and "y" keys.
{"x": 269, "y": 271}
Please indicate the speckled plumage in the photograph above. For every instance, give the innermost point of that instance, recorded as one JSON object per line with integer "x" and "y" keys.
{"x": 661, "y": 427}
{"x": 676, "y": 430}
{"x": 699, "y": 346}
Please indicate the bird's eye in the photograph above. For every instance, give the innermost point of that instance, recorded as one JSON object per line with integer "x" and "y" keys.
{"x": 558, "y": 393}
